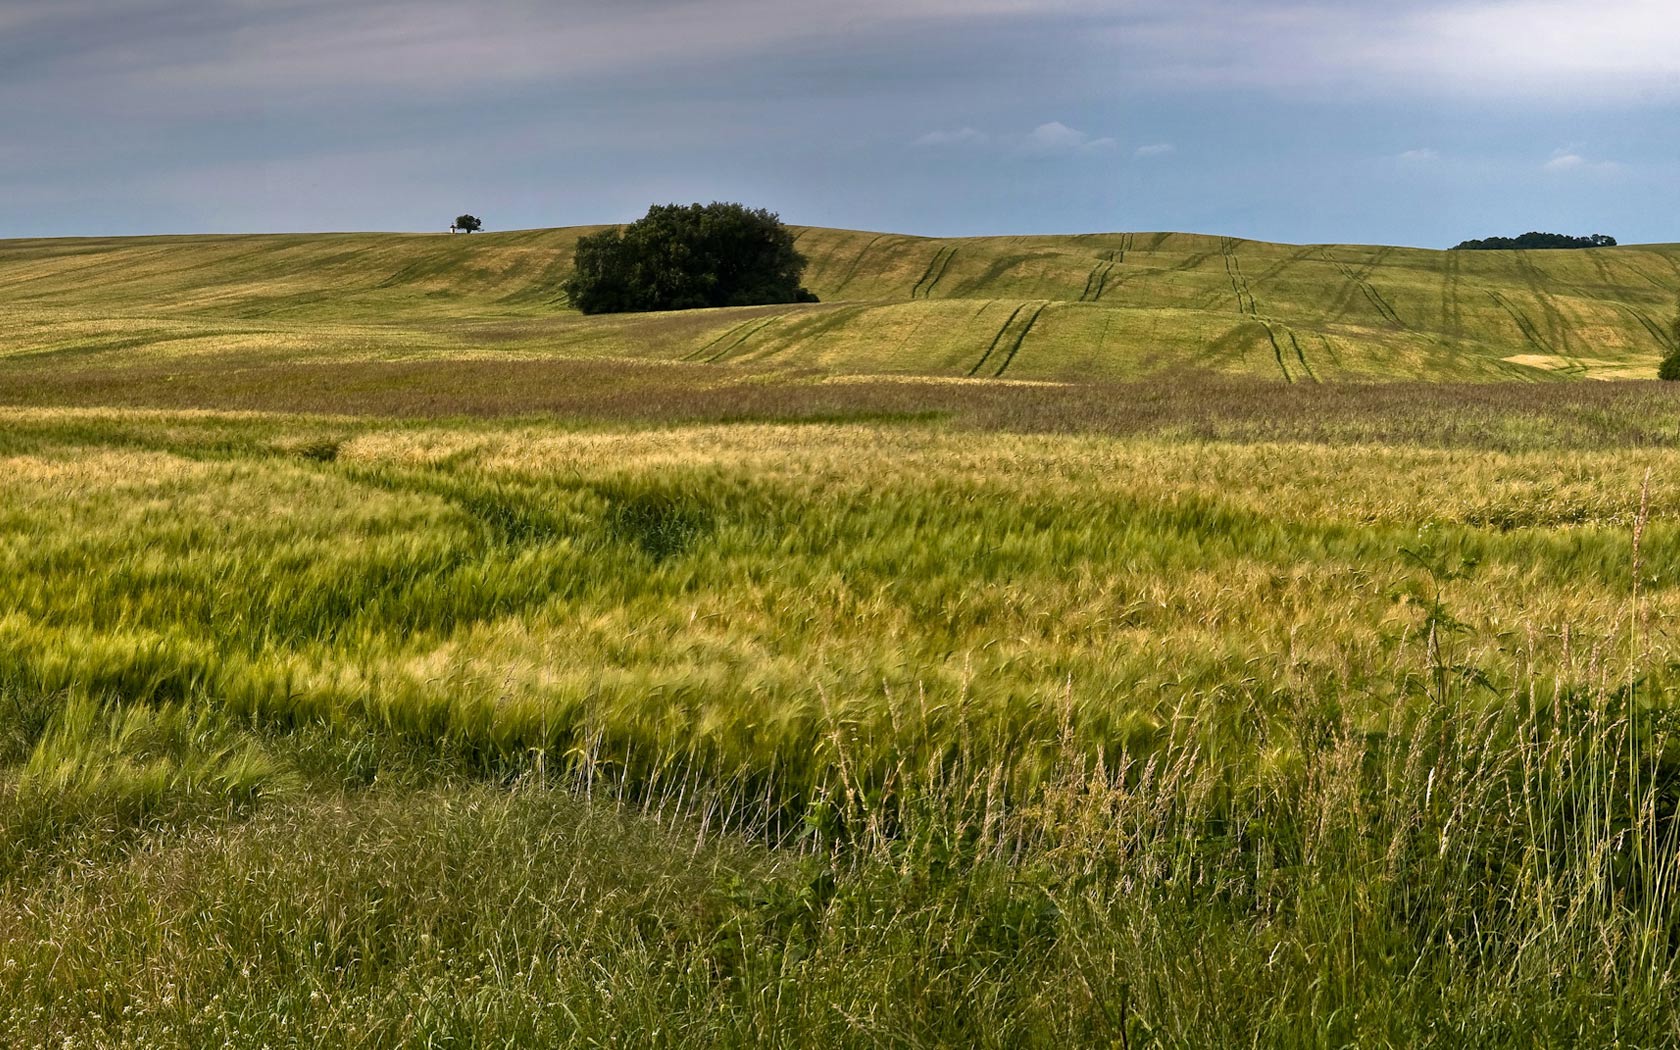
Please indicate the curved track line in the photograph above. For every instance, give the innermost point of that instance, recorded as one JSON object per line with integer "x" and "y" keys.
{"x": 996, "y": 339}
{"x": 1021, "y": 338}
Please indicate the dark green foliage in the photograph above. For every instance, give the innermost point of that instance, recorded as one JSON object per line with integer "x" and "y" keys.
{"x": 469, "y": 223}
{"x": 1535, "y": 240}
{"x": 686, "y": 257}
{"x": 1670, "y": 368}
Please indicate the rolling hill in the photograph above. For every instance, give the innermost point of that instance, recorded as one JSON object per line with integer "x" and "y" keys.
{"x": 1102, "y": 306}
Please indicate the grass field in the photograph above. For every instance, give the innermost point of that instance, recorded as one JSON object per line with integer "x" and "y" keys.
{"x": 290, "y": 312}
{"x": 388, "y": 657}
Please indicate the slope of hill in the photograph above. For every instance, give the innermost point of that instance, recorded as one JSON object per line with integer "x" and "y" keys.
{"x": 1108, "y": 306}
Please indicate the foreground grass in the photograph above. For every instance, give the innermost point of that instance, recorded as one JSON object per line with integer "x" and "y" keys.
{"x": 908, "y": 730}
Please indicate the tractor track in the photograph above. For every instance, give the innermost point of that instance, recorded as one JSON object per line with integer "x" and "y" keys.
{"x": 1300, "y": 355}
{"x": 1531, "y": 333}
{"x": 935, "y": 271}
{"x": 996, "y": 339}
{"x": 1557, "y": 325}
{"x": 1452, "y": 307}
{"x": 1239, "y": 285}
{"x": 762, "y": 325}
{"x": 1277, "y": 351}
{"x": 851, "y": 271}
{"x": 1096, "y": 283}
{"x": 1004, "y": 339}
{"x": 1657, "y": 331}
{"x": 1360, "y": 279}
{"x": 1020, "y": 338}
{"x": 700, "y": 351}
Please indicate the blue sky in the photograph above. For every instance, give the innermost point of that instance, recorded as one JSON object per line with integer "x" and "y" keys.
{"x": 1405, "y": 122}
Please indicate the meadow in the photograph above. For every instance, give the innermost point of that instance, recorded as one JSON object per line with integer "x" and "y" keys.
{"x": 399, "y": 686}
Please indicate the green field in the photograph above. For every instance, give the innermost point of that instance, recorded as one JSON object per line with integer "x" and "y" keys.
{"x": 389, "y": 656}
{"x": 295, "y": 311}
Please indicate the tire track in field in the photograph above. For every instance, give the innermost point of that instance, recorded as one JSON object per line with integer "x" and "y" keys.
{"x": 1102, "y": 340}
{"x": 1277, "y": 351}
{"x": 1300, "y": 355}
{"x": 1339, "y": 303}
{"x": 851, "y": 271}
{"x": 1531, "y": 333}
{"x": 1096, "y": 283}
{"x": 1640, "y": 271}
{"x": 1558, "y": 328}
{"x": 996, "y": 339}
{"x": 1330, "y": 350}
{"x": 1361, "y": 279}
{"x": 1657, "y": 331}
{"x": 762, "y": 325}
{"x": 700, "y": 351}
{"x": 1239, "y": 284}
{"x": 1272, "y": 272}
{"x": 1452, "y": 306}
{"x": 935, "y": 271}
{"x": 1020, "y": 338}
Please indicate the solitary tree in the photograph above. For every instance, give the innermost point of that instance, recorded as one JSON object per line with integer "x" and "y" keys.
{"x": 468, "y": 223}
{"x": 679, "y": 257}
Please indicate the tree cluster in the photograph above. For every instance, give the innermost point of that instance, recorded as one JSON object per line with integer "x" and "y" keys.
{"x": 1535, "y": 240}
{"x": 681, "y": 257}
{"x": 468, "y": 223}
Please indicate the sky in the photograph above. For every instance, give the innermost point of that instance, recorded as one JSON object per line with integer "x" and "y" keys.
{"x": 1414, "y": 122}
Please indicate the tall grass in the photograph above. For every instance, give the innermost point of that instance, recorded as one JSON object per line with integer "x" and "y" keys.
{"x": 741, "y": 735}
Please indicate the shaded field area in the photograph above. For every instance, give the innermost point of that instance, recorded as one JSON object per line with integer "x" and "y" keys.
{"x": 1189, "y": 404}
{"x": 1101, "y": 307}
{"x": 797, "y": 710}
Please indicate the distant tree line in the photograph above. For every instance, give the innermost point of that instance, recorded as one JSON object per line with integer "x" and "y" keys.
{"x": 680, "y": 257}
{"x": 1534, "y": 240}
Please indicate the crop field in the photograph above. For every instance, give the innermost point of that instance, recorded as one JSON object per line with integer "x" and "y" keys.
{"x": 297, "y": 311}
{"x": 390, "y": 657}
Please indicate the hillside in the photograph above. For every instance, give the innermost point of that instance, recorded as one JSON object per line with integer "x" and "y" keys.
{"x": 1108, "y": 306}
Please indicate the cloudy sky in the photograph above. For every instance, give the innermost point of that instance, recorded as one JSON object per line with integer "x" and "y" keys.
{"x": 1394, "y": 121}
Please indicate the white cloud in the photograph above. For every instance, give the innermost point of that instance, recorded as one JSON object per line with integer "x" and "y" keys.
{"x": 1057, "y": 138}
{"x": 1570, "y": 159}
{"x": 1423, "y": 155}
{"x": 1158, "y": 149}
{"x": 958, "y": 137}
{"x": 1605, "y": 50}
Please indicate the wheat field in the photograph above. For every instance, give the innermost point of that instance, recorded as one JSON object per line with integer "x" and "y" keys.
{"x": 391, "y": 657}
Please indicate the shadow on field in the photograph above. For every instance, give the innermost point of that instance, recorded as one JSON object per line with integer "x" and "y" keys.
{"x": 1194, "y": 405}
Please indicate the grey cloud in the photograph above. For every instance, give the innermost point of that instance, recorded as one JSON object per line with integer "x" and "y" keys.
{"x": 233, "y": 54}
{"x": 957, "y": 137}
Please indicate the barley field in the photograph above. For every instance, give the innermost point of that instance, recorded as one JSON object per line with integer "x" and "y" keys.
{"x": 290, "y": 313}
{"x": 420, "y": 664}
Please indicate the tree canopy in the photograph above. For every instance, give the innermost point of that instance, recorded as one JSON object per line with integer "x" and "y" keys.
{"x": 1533, "y": 240}
{"x": 469, "y": 223}
{"x": 681, "y": 257}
